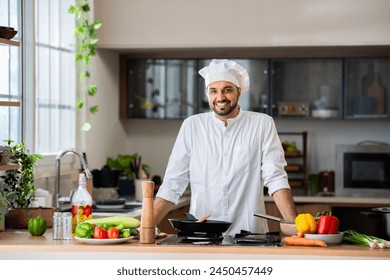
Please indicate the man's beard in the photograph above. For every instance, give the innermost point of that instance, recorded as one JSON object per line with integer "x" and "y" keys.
{"x": 225, "y": 112}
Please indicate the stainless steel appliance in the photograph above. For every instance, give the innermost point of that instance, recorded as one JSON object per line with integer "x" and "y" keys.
{"x": 363, "y": 170}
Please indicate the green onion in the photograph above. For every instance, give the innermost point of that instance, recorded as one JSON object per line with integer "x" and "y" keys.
{"x": 365, "y": 240}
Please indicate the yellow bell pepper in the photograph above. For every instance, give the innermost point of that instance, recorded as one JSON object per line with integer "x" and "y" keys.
{"x": 305, "y": 223}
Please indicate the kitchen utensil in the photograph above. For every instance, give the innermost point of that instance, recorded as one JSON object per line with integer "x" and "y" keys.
{"x": 203, "y": 218}
{"x": 287, "y": 227}
{"x": 377, "y": 92}
{"x": 329, "y": 239}
{"x": 148, "y": 233}
{"x": 208, "y": 226}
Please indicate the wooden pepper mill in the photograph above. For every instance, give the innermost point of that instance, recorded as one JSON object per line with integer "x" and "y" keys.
{"x": 148, "y": 231}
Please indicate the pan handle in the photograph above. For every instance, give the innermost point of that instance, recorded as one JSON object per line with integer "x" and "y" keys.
{"x": 268, "y": 217}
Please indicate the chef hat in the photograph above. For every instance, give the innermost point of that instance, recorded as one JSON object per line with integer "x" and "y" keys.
{"x": 226, "y": 70}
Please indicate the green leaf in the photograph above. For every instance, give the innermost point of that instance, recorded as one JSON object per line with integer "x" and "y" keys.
{"x": 86, "y": 126}
{"x": 97, "y": 24}
{"x": 94, "y": 109}
{"x": 85, "y": 8}
{"x": 87, "y": 74}
{"x": 79, "y": 30}
{"x": 79, "y": 104}
{"x": 92, "y": 90}
{"x": 79, "y": 56}
{"x": 93, "y": 41}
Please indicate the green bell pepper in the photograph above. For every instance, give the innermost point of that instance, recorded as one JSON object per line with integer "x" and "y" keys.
{"x": 84, "y": 230}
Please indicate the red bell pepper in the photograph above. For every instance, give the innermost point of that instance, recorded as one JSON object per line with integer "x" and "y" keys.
{"x": 327, "y": 224}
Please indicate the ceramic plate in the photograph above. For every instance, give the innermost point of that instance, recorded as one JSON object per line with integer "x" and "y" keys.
{"x": 102, "y": 241}
{"x": 330, "y": 239}
{"x": 105, "y": 206}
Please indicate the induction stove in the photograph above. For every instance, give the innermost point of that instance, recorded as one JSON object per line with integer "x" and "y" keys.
{"x": 244, "y": 238}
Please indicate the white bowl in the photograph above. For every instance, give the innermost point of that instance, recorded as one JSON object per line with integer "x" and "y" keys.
{"x": 330, "y": 239}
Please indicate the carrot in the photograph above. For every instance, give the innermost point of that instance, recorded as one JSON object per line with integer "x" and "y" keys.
{"x": 304, "y": 242}
{"x": 300, "y": 234}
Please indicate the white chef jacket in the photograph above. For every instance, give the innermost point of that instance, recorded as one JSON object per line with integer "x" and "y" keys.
{"x": 227, "y": 168}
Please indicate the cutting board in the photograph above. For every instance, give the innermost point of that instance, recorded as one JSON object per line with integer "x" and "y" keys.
{"x": 377, "y": 91}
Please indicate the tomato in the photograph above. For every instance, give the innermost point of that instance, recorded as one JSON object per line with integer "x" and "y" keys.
{"x": 113, "y": 232}
{"x": 99, "y": 233}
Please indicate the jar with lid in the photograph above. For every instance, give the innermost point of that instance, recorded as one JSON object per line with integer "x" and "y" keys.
{"x": 81, "y": 203}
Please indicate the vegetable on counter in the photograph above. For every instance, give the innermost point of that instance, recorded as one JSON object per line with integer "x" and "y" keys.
{"x": 84, "y": 230}
{"x": 303, "y": 241}
{"x": 327, "y": 224}
{"x": 127, "y": 222}
{"x": 37, "y": 226}
{"x": 99, "y": 233}
{"x": 305, "y": 223}
{"x": 365, "y": 240}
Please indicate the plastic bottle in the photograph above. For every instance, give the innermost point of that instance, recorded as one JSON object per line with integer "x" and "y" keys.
{"x": 81, "y": 204}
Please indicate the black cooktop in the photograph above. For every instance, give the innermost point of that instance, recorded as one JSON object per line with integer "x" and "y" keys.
{"x": 242, "y": 239}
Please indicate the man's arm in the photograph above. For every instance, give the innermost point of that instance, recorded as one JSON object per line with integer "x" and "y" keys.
{"x": 285, "y": 203}
{"x": 161, "y": 209}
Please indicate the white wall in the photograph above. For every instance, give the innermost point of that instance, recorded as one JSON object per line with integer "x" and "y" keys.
{"x": 131, "y": 24}
{"x": 208, "y": 23}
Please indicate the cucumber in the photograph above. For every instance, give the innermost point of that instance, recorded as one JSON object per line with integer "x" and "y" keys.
{"x": 128, "y": 222}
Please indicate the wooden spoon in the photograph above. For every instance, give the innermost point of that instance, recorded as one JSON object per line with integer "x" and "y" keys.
{"x": 203, "y": 218}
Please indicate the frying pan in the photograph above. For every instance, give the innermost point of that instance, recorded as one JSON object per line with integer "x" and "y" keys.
{"x": 191, "y": 225}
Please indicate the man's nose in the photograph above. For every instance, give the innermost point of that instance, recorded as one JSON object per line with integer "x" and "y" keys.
{"x": 220, "y": 95}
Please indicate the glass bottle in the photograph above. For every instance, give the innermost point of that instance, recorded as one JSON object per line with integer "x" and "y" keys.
{"x": 81, "y": 203}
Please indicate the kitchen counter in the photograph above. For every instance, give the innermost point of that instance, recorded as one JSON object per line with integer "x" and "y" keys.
{"x": 18, "y": 244}
{"x": 339, "y": 200}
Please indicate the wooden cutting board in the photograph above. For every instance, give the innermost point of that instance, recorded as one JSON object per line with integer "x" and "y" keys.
{"x": 377, "y": 91}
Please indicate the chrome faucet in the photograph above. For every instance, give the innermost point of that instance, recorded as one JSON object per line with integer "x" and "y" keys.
{"x": 84, "y": 166}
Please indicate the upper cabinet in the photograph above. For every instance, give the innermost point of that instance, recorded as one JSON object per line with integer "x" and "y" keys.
{"x": 306, "y": 88}
{"x": 367, "y": 84}
{"x": 327, "y": 84}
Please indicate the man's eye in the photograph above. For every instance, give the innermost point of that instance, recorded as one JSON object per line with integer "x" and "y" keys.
{"x": 228, "y": 90}
{"x": 212, "y": 91}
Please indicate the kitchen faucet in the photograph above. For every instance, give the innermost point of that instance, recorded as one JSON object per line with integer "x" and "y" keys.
{"x": 84, "y": 166}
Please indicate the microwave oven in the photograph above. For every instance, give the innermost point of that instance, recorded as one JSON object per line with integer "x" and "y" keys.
{"x": 363, "y": 170}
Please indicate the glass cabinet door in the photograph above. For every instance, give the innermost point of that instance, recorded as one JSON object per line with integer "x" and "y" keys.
{"x": 303, "y": 88}
{"x": 173, "y": 89}
{"x": 367, "y": 83}
{"x": 161, "y": 88}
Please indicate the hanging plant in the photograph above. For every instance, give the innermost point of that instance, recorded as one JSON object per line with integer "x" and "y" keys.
{"x": 85, "y": 50}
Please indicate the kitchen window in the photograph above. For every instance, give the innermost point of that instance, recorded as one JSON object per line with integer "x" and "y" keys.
{"x": 40, "y": 73}
{"x": 55, "y": 120}
{"x": 11, "y": 74}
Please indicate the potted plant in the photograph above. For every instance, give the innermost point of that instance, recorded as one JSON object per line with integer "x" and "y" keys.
{"x": 131, "y": 169}
{"x": 20, "y": 183}
{"x": 5, "y": 202}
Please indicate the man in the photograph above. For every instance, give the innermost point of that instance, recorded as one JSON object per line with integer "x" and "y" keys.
{"x": 227, "y": 157}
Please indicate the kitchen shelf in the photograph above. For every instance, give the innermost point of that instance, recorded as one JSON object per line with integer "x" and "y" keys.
{"x": 9, "y": 42}
{"x": 9, "y": 166}
{"x": 10, "y": 103}
{"x": 297, "y": 161}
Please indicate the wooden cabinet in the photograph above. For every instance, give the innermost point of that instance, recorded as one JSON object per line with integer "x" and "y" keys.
{"x": 312, "y": 208}
{"x": 9, "y": 166}
{"x": 296, "y": 161}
